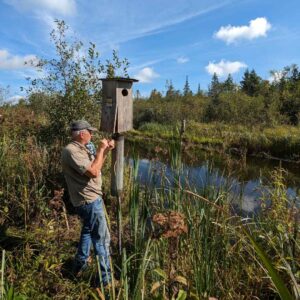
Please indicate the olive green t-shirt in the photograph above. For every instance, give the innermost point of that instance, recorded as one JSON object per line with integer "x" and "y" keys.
{"x": 76, "y": 159}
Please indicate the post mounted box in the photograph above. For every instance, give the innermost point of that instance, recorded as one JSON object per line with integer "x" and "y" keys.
{"x": 117, "y": 105}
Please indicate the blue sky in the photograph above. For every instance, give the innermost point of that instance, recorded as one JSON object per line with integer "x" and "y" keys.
{"x": 162, "y": 39}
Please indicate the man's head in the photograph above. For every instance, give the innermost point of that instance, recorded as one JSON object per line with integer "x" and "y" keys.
{"x": 82, "y": 131}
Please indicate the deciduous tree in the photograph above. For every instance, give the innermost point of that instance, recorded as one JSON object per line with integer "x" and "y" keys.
{"x": 72, "y": 80}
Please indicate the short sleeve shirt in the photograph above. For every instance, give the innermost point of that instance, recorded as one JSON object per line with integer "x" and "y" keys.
{"x": 76, "y": 159}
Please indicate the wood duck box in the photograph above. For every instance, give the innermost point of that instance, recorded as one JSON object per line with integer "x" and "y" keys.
{"x": 117, "y": 105}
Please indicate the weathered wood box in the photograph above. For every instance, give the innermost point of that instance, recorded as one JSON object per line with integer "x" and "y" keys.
{"x": 117, "y": 105}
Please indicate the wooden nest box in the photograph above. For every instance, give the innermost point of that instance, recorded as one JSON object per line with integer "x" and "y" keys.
{"x": 117, "y": 105}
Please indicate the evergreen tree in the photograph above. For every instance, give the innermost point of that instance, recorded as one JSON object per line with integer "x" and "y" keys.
{"x": 289, "y": 93}
{"x": 214, "y": 89}
{"x": 186, "y": 89}
{"x": 250, "y": 83}
{"x": 137, "y": 95}
{"x": 199, "y": 91}
{"x": 155, "y": 95}
{"x": 245, "y": 81}
{"x": 294, "y": 73}
{"x": 171, "y": 92}
{"x": 228, "y": 85}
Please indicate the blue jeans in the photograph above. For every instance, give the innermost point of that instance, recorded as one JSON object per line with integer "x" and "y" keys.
{"x": 94, "y": 231}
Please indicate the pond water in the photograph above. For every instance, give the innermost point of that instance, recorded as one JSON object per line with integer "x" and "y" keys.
{"x": 247, "y": 180}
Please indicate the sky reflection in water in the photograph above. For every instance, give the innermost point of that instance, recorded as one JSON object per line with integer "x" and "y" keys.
{"x": 244, "y": 195}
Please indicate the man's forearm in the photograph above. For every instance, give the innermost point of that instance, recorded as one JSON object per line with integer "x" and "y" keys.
{"x": 97, "y": 164}
{"x": 102, "y": 151}
{"x": 104, "y": 155}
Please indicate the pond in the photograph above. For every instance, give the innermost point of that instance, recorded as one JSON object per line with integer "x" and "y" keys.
{"x": 246, "y": 181}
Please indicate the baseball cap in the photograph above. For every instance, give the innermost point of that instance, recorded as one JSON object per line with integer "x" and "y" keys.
{"x": 81, "y": 125}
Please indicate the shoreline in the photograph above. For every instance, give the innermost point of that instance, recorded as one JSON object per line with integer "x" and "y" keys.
{"x": 239, "y": 147}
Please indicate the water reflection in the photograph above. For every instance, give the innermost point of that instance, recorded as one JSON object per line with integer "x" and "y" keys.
{"x": 247, "y": 185}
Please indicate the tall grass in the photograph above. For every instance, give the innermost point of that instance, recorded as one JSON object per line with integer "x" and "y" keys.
{"x": 215, "y": 256}
{"x": 22, "y": 179}
{"x": 177, "y": 242}
{"x": 2, "y": 274}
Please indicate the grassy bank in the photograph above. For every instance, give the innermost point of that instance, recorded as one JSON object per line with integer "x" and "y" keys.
{"x": 281, "y": 142}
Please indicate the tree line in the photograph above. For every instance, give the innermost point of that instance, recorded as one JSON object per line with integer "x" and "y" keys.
{"x": 252, "y": 101}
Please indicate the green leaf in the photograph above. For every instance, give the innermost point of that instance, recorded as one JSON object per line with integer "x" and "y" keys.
{"x": 10, "y": 293}
{"x": 276, "y": 279}
{"x": 181, "y": 295}
{"x": 161, "y": 273}
{"x": 20, "y": 297}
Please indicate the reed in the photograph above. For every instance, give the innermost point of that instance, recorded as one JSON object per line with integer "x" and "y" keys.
{"x": 2, "y": 273}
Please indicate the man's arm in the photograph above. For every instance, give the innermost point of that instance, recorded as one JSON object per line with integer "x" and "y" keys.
{"x": 103, "y": 148}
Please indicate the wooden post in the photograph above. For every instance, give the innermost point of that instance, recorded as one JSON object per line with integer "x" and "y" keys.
{"x": 117, "y": 166}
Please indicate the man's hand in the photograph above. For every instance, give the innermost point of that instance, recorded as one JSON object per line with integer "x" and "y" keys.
{"x": 111, "y": 144}
{"x": 103, "y": 148}
{"x": 103, "y": 145}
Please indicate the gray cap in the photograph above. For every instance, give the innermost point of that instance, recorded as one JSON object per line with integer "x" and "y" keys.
{"x": 81, "y": 125}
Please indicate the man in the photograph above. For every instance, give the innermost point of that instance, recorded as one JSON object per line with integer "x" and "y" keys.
{"x": 82, "y": 171}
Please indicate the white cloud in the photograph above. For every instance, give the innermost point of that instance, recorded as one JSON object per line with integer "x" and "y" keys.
{"x": 182, "y": 59}
{"x": 14, "y": 99}
{"x": 63, "y": 7}
{"x": 255, "y": 29}
{"x": 223, "y": 68}
{"x": 9, "y": 61}
{"x": 276, "y": 76}
{"x": 146, "y": 75}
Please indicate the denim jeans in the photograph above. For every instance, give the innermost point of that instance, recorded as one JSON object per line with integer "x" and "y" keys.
{"x": 94, "y": 231}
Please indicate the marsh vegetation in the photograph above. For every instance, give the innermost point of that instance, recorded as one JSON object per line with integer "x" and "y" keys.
{"x": 177, "y": 242}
